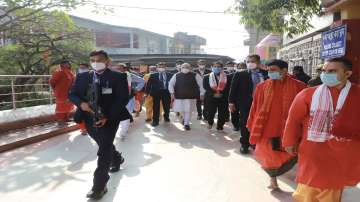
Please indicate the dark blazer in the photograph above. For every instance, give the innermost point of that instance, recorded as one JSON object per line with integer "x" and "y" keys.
{"x": 241, "y": 90}
{"x": 209, "y": 94}
{"x": 113, "y": 105}
{"x": 153, "y": 86}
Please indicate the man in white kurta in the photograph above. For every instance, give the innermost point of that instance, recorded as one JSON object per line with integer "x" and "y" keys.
{"x": 185, "y": 88}
{"x": 135, "y": 84}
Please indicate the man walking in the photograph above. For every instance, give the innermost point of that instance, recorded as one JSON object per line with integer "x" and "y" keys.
{"x": 241, "y": 95}
{"x": 101, "y": 97}
{"x": 269, "y": 110}
{"x": 185, "y": 87}
{"x": 217, "y": 86}
{"x": 201, "y": 71}
{"x": 61, "y": 81}
{"x": 322, "y": 129}
{"x": 157, "y": 88}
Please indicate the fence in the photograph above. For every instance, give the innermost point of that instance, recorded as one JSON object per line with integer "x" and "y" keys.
{"x": 18, "y": 91}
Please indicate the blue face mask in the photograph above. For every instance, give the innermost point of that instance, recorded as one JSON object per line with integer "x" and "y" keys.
{"x": 274, "y": 75}
{"x": 216, "y": 70}
{"x": 329, "y": 79}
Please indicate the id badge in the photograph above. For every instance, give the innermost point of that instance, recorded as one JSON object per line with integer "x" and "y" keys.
{"x": 106, "y": 91}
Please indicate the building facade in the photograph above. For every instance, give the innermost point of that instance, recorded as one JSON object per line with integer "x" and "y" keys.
{"x": 118, "y": 40}
{"x": 304, "y": 49}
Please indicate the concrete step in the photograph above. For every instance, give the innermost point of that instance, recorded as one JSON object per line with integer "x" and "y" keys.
{"x": 17, "y": 138}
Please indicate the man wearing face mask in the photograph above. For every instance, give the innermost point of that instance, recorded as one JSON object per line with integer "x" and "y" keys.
{"x": 101, "y": 96}
{"x": 241, "y": 95}
{"x": 216, "y": 85}
{"x": 61, "y": 81}
{"x": 269, "y": 110}
{"x": 230, "y": 67}
{"x": 185, "y": 87}
{"x": 201, "y": 71}
{"x": 323, "y": 130}
{"x": 157, "y": 88}
{"x": 83, "y": 67}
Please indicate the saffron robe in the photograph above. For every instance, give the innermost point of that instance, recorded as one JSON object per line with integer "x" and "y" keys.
{"x": 61, "y": 82}
{"x": 332, "y": 164}
{"x": 277, "y": 96}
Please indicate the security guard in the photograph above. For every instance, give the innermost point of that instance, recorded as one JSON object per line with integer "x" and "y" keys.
{"x": 101, "y": 96}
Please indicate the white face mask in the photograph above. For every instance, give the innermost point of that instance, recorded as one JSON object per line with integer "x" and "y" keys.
{"x": 185, "y": 71}
{"x": 161, "y": 69}
{"x": 98, "y": 66}
{"x": 238, "y": 70}
{"x": 201, "y": 66}
{"x": 82, "y": 70}
{"x": 251, "y": 65}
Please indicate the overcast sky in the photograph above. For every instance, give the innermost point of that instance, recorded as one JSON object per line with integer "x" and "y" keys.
{"x": 223, "y": 33}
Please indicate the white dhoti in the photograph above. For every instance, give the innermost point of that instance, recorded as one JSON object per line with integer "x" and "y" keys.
{"x": 185, "y": 107}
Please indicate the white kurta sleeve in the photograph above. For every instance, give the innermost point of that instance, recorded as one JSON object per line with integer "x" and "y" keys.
{"x": 172, "y": 84}
{"x": 199, "y": 81}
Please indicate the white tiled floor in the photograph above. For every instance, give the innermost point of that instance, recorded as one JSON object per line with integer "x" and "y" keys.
{"x": 165, "y": 164}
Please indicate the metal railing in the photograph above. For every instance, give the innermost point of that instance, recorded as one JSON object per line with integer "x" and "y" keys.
{"x": 17, "y": 91}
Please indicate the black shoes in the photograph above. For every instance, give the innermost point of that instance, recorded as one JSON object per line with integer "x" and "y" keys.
{"x": 116, "y": 166}
{"x": 154, "y": 124}
{"x": 236, "y": 129}
{"x": 244, "y": 150}
{"x": 166, "y": 119}
{"x": 220, "y": 128}
{"x": 199, "y": 117}
{"x": 187, "y": 127}
{"x": 96, "y": 194}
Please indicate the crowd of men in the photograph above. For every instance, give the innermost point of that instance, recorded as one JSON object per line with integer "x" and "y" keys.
{"x": 278, "y": 115}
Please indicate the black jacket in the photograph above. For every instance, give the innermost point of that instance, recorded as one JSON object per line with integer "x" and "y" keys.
{"x": 303, "y": 77}
{"x": 153, "y": 86}
{"x": 241, "y": 90}
{"x": 113, "y": 105}
{"x": 209, "y": 94}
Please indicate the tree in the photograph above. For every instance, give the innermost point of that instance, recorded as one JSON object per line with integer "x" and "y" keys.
{"x": 278, "y": 16}
{"x": 40, "y": 43}
{"x": 16, "y": 12}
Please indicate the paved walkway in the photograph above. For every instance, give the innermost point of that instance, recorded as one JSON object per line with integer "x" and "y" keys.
{"x": 165, "y": 164}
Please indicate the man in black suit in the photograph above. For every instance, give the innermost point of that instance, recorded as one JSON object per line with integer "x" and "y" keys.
{"x": 101, "y": 96}
{"x": 241, "y": 95}
{"x": 201, "y": 71}
{"x": 216, "y": 85}
{"x": 157, "y": 87}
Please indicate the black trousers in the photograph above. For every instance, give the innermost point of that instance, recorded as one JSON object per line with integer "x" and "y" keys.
{"x": 107, "y": 153}
{"x": 245, "y": 135}
{"x": 164, "y": 96}
{"x": 235, "y": 117}
{"x": 220, "y": 106}
{"x": 200, "y": 111}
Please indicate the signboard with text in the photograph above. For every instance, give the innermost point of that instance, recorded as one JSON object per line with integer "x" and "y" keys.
{"x": 333, "y": 43}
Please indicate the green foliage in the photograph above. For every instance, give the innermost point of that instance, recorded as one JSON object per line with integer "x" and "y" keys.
{"x": 278, "y": 16}
{"x": 40, "y": 43}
